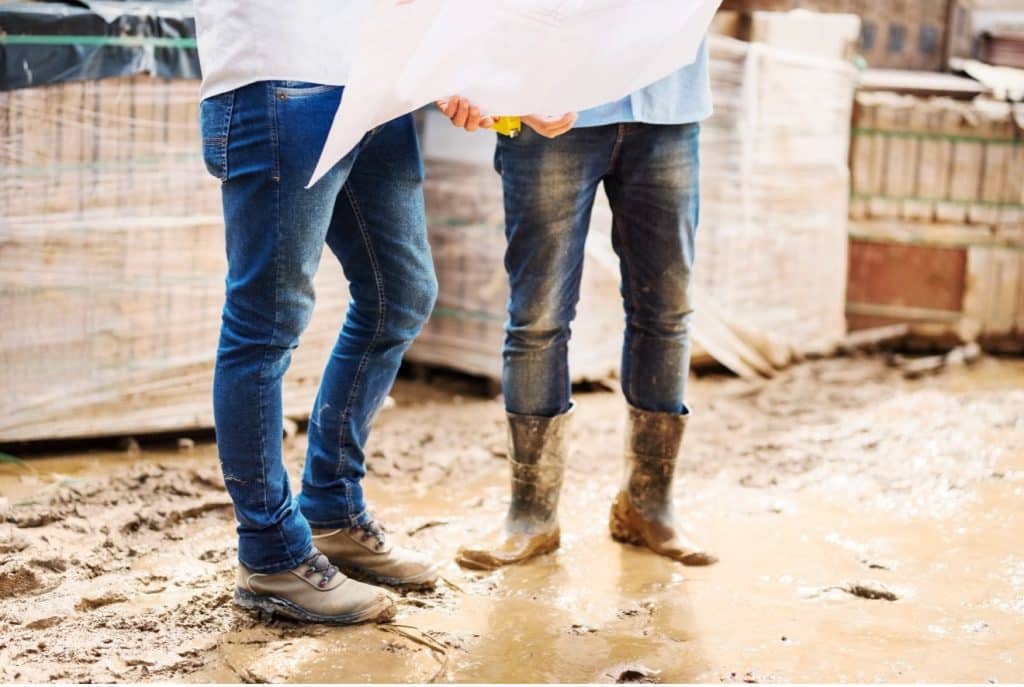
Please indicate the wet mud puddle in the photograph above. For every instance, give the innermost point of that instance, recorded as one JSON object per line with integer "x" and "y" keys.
{"x": 869, "y": 529}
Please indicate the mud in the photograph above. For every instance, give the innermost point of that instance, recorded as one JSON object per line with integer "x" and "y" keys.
{"x": 869, "y": 529}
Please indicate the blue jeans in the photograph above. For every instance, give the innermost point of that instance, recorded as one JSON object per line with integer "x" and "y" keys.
{"x": 262, "y": 141}
{"x": 651, "y": 176}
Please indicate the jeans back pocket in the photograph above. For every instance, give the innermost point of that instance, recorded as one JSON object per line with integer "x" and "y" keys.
{"x": 301, "y": 89}
{"x": 214, "y": 127}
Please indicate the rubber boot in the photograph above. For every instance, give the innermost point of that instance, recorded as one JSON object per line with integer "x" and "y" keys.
{"x": 642, "y": 514}
{"x": 537, "y": 450}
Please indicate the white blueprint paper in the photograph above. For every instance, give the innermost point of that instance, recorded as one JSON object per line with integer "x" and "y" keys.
{"x": 510, "y": 58}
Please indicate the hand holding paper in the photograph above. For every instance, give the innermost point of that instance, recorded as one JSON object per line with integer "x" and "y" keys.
{"x": 464, "y": 114}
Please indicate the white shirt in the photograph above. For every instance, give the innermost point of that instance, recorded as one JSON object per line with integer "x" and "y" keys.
{"x": 243, "y": 41}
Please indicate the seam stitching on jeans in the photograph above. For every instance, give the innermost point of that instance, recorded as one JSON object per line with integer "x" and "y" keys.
{"x": 277, "y": 300}
{"x": 364, "y": 361}
{"x": 227, "y": 136}
{"x": 630, "y": 295}
{"x": 620, "y": 133}
{"x": 275, "y": 146}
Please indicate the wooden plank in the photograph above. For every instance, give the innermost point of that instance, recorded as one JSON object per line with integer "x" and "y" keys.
{"x": 863, "y": 167}
{"x": 938, "y": 234}
{"x": 994, "y": 125}
{"x": 919, "y": 83}
{"x": 980, "y": 286}
{"x": 1006, "y": 280}
{"x": 921, "y": 174}
{"x": 1018, "y": 320}
{"x": 1012, "y": 216}
{"x": 950, "y": 126}
{"x": 968, "y": 164}
{"x": 891, "y": 118}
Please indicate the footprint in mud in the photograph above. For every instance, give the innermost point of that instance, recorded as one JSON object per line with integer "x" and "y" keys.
{"x": 16, "y": 579}
{"x": 92, "y": 602}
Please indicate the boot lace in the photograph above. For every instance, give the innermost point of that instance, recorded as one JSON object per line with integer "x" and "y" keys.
{"x": 318, "y": 563}
{"x": 371, "y": 530}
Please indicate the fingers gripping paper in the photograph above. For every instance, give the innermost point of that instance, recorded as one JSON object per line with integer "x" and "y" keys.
{"x": 528, "y": 56}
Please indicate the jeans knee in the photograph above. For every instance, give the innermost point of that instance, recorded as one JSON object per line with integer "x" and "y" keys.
{"x": 661, "y": 308}
{"x": 668, "y": 323}
{"x": 535, "y": 329}
{"x": 249, "y": 321}
{"x": 291, "y": 325}
{"x": 407, "y": 312}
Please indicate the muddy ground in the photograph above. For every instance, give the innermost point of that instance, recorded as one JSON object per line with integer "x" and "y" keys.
{"x": 836, "y": 482}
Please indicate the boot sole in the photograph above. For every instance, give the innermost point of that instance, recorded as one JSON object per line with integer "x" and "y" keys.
{"x": 277, "y": 606}
{"x": 425, "y": 581}
{"x": 482, "y": 559}
{"x": 624, "y": 534}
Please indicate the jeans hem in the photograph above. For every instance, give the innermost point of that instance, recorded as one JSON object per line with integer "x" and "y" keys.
{"x": 571, "y": 407}
{"x": 280, "y": 566}
{"x": 685, "y": 412}
{"x": 349, "y": 522}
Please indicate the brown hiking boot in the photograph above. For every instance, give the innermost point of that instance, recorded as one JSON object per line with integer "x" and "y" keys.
{"x": 365, "y": 553}
{"x": 642, "y": 514}
{"x": 537, "y": 449}
{"x": 314, "y": 592}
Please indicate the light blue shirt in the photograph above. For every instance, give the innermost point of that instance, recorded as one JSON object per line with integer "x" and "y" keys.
{"x": 682, "y": 97}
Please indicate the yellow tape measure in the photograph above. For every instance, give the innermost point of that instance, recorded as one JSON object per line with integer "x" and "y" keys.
{"x": 508, "y": 126}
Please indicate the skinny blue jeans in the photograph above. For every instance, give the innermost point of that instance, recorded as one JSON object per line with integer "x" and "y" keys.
{"x": 262, "y": 141}
{"x": 651, "y": 175}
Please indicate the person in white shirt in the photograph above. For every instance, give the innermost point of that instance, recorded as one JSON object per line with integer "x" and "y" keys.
{"x": 267, "y": 104}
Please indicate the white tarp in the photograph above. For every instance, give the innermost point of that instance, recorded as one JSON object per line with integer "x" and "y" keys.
{"x": 510, "y": 58}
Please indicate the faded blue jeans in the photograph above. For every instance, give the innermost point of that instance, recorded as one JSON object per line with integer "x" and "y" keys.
{"x": 651, "y": 177}
{"x": 262, "y": 141}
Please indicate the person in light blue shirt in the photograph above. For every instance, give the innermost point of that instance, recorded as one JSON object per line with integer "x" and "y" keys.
{"x": 683, "y": 97}
{"x": 644, "y": 150}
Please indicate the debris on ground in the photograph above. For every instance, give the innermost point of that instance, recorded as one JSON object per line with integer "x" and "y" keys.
{"x": 874, "y": 591}
{"x": 637, "y": 675}
{"x": 870, "y": 590}
{"x": 915, "y": 368}
{"x": 872, "y": 340}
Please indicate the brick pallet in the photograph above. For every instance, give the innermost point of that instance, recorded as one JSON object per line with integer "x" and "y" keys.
{"x": 112, "y": 247}
{"x": 937, "y": 218}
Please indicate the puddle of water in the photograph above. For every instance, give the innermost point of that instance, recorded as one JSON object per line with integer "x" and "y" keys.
{"x": 594, "y": 608}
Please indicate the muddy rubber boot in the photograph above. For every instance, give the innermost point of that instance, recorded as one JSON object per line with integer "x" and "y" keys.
{"x": 367, "y": 554}
{"x": 314, "y": 592}
{"x": 537, "y": 450}
{"x": 642, "y": 514}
